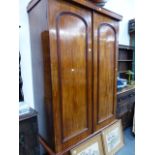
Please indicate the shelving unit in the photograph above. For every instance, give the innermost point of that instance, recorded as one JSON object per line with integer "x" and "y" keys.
{"x": 131, "y": 30}
{"x": 125, "y": 60}
{"x": 126, "y": 96}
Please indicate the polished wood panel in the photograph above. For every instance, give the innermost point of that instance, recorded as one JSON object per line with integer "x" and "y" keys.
{"x": 47, "y": 86}
{"x": 71, "y": 63}
{"x": 72, "y": 73}
{"x": 104, "y": 70}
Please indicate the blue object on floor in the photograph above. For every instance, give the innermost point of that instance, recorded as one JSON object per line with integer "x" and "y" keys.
{"x": 129, "y": 146}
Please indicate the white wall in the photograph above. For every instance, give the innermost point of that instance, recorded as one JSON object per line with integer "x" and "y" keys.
{"x": 24, "y": 47}
{"x": 126, "y": 8}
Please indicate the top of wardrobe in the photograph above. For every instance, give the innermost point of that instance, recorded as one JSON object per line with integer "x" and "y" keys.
{"x": 83, "y": 3}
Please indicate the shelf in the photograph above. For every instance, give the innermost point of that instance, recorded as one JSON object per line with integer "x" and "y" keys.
{"x": 125, "y": 60}
{"x": 127, "y": 88}
{"x": 122, "y": 71}
{"x": 125, "y": 47}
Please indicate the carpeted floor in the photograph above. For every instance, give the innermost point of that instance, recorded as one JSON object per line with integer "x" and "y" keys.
{"x": 129, "y": 146}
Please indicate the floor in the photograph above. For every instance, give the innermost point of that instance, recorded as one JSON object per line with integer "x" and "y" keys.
{"x": 129, "y": 147}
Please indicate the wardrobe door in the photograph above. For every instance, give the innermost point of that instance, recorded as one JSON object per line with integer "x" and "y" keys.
{"x": 71, "y": 65}
{"x": 104, "y": 70}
